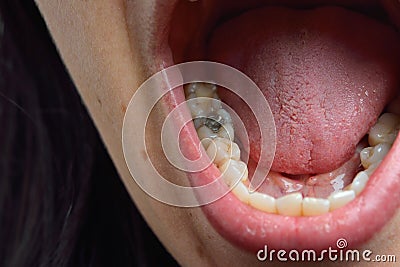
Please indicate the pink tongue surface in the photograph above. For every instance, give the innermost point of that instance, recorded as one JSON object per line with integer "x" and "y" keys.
{"x": 327, "y": 74}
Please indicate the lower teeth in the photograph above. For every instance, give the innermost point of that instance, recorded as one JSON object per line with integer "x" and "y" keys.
{"x": 215, "y": 129}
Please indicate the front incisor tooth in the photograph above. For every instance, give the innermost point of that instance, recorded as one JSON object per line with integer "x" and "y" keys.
{"x": 341, "y": 198}
{"x": 371, "y": 155}
{"x": 241, "y": 192}
{"x": 315, "y": 206}
{"x": 359, "y": 182}
{"x": 263, "y": 202}
{"x": 234, "y": 170}
{"x": 290, "y": 205}
{"x": 385, "y": 130}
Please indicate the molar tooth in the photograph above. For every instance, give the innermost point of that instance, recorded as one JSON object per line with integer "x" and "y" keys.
{"x": 232, "y": 170}
{"x": 374, "y": 154}
{"x": 341, "y": 198}
{"x": 290, "y": 205}
{"x": 315, "y": 206}
{"x": 205, "y": 90}
{"x": 385, "y": 130}
{"x": 359, "y": 182}
{"x": 226, "y": 117}
{"x": 263, "y": 202}
{"x": 241, "y": 192}
{"x": 205, "y": 132}
{"x": 226, "y": 131}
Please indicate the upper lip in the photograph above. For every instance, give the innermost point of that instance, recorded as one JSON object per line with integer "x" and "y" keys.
{"x": 252, "y": 229}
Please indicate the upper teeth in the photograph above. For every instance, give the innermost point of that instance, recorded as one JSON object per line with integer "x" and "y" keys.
{"x": 216, "y": 132}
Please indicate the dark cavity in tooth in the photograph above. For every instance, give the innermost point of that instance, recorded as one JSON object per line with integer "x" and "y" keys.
{"x": 214, "y": 123}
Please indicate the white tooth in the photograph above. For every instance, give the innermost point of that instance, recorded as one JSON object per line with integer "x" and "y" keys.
{"x": 359, "y": 182}
{"x": 232, "y": 170}
{"x": 218, "y": 151}
{"x": 385, "y": 130}
{"x": 205, "y": 90}
{"x": 206, "y": 142}
{"x": 226, "y": 131}
{"x": 290, "y": 205}
{"x": 205, "y": 132}
{"x": 371, "y": 155}
{"x": 263, "y": 202}
{"x": 234, "y": 151}
{"x": 341, "y": 198}
{"x": 315, "y": 206}
{"x": 241, "y": 192}
{"x": 199, "y": 107}
{"x": 226, "y": 117}
{"x": 372, "y": 168}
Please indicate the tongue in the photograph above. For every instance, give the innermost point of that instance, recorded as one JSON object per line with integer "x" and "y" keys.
{"x": 327, "y": 74}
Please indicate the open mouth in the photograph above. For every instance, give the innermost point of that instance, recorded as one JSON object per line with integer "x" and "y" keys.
{"x": 331, "y": 73}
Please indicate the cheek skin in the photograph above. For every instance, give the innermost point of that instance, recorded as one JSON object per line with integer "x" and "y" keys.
{"x": 107, "y": 64}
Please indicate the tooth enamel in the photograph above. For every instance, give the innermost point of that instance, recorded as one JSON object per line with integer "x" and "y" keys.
{"x": 385, "y": 130}
{"x": 226, "y": 117}
{"x": 359, "y": 182}
{"x": 263, "y": 202}
{"x": 206, "y": 143}
{"x": 341, "y": 198}
{"x": 241, "y": 192}
{"x": 218, "y": 151}
{"x": 234, "y": 151}
{"x": 290, "y": 205}
{"x": 315, "y": 206}
{"x": 205, "y": 132}
{"x": 226, "y": 131}
{"x": 232, "y": 170}
{"x": 374, "y": 154}
{"x": 372, "y": 168}
{"x": 205, "y": 90}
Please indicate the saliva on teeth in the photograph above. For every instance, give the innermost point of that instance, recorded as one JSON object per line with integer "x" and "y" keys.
{"x": 216, "y": 131}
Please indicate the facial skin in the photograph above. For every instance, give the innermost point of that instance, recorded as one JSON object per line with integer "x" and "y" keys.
{"x": 104, "y": 45}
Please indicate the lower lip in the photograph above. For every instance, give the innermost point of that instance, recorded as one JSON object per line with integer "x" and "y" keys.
{"x": 251, "y": 229}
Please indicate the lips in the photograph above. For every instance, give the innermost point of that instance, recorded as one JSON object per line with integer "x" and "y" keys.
{"x": 241, "y": 224}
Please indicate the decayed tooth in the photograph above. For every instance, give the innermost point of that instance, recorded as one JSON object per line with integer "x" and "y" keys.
{"x": 205, "y": 132}
{"x": 241, "y": 192}
{"x": 232, "y": 170}
{"x": 226, "y": 117}
{"x": 263, "y": 202}
{"x": 205, "y": 90}
{"x": 341, "y": 198}
{"x": 218, "y": 151}
{"x": 385, "y": 130}
{"x": 290, "y": 205}
{"x": 226, "y": 131}
{"x": 371, "y": 155}
{"x": 315, "y": 206}
{"x": 359, "y": 182}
